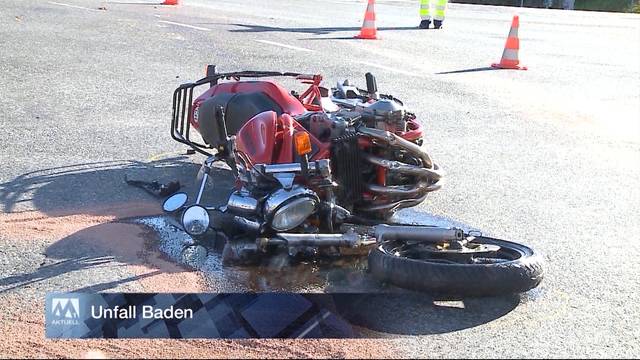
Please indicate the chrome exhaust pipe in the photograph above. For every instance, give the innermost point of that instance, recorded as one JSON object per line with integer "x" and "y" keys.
{"x": 411, "y": 195}
{"x": 348, "y": 239}
{"x": 421, "y": 188}
{"x": 381, "y": 233}
{"x": 434, "y": 174}
{"x": 417, "y": 190}
{"x": 401, "y": 191}
{"x": 394, "y": 206}
{"x": 395, "y": 140}
{"x": 385, "y": 232}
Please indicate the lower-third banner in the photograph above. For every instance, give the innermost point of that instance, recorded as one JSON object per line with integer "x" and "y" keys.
{"x": 201, "y": 315}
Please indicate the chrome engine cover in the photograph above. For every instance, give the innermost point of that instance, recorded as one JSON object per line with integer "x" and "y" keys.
{"x": 242, "y": 203}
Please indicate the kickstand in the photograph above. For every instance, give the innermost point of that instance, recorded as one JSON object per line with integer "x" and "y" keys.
{"x": 154, "y": 187}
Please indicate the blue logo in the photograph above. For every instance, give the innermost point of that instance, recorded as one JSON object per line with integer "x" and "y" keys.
{"x": 65, "y": 311}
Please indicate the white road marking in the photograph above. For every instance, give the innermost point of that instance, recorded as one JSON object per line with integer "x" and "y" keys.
{"x": 388, "y": 68}
{"x": 72, "y": 6}
{"x": 185, "y": 25}
{"x": 283, "y": 45}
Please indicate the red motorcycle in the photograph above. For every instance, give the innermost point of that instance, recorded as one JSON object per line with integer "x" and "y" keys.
{"x": 325, "y": 170}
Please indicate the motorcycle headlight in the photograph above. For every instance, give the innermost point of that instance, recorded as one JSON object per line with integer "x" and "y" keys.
{"x": 288, "y": 209}
{"x": 293, "y": 213}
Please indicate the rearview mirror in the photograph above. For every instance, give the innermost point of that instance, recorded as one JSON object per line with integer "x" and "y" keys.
{"x": 174, "y": 202}
{"x": 195, "y": 220}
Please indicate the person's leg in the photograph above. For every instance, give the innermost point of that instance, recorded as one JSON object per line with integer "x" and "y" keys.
{"x": 425, "y": 14}
{"x": 568, "y": 4}
{"x": 438, "y": 14}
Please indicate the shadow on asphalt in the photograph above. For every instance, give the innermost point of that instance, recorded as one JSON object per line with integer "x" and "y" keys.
{"x": 310, "y": 30}
{"x": 87, "y": 189}
{"x": 52, "y": 270}
{"x": 152, "y": 3}
{"x": 92, "y": 188}
{"x": 95, "y": 190}
{"x": 486, "y": 68}
{"x": 414, "y": 313}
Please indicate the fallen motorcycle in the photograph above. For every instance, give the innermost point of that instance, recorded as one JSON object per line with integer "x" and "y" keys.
{"x": 323, "y": 171}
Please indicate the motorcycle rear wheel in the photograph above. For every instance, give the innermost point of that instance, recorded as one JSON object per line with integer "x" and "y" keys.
{"x": 514, "y": 268}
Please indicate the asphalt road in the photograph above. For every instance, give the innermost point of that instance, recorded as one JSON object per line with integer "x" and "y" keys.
{"x": 549, "y": 156}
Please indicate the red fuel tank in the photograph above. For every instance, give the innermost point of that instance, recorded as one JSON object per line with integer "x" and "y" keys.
{"x": 269, "y": 139}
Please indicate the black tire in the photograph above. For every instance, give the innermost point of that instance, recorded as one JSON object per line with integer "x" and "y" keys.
{"x": 513, "y": 276}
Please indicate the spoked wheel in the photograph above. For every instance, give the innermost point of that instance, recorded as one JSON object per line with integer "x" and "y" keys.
{"x": 482, "y": 267}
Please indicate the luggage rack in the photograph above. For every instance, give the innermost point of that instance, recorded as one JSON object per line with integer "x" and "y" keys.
{"x": 183, "y": 102}
{"x": 182, "y": 112}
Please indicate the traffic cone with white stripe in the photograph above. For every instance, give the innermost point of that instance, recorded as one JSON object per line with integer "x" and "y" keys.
{"x": 510, "y": 55}
{"x": 368, "y": 30}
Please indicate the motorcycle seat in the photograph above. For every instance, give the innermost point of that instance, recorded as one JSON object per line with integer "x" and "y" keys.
{"x": 238, "y": 109}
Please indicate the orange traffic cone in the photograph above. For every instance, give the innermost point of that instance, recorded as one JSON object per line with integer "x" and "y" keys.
{"x": 368, "y": 30}
{"x": 510, "y": 55}
{"x": 171, "y": 2}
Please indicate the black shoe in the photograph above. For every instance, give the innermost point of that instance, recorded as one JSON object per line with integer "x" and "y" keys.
{"x": 424, "y": 24}
{"x": 437, "y": 24}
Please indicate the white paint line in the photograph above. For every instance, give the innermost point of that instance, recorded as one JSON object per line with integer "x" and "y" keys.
{"x": 388, "y": 68}
{"x": 283, "y": 45}
{"x": 185, "y": 25}
{"x": 72, "y": 6}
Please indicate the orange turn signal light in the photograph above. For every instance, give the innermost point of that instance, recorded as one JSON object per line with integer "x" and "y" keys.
{"x": 303, "y": 142}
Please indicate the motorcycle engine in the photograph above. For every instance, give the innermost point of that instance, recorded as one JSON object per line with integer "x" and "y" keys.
{"x": 386, "y": 114}
{"x": 354, "y": 181}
